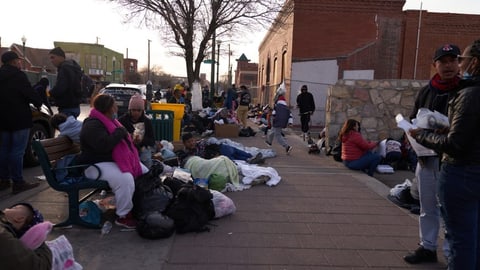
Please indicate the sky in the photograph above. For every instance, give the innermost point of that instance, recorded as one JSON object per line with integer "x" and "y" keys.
{"x": 92, "y": 21}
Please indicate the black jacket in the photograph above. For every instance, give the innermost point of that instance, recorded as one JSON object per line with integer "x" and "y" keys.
{"x": 68, "y": 84}
{"x": 305, "y": 102}
{"x": 16, "y": 94}
{"x": 148, "y": 137}
{"x": 431, "y": 98}
{"x": 96, "y": 143}
{"x": 462, "y": 143}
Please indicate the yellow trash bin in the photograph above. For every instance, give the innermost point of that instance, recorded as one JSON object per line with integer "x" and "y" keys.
{"x": 178, "y": 112}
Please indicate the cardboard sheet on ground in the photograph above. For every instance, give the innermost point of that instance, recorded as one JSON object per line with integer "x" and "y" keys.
{"x": 419, "y": 149}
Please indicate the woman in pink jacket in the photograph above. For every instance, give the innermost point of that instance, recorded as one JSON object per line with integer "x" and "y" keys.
{"x": 356, "y": 154}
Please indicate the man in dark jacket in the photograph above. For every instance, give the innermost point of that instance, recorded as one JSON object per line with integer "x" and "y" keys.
{"x": 67, "y": 91}
{"x": 306, "y": 104}
{"x": 16, "y": 94}
{"x": 434, "y": 96}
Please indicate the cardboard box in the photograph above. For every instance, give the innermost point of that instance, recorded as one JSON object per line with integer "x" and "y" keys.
{"x": 226, "y": 130}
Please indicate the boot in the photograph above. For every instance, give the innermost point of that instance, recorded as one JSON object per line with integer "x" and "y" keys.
{"x": 22, "y": 186}
{"x": 4, "y": 184}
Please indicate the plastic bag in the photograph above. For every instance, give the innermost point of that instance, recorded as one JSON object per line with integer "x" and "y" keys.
{"x": 62, "y": 254}
{"x": 223, "y": 205}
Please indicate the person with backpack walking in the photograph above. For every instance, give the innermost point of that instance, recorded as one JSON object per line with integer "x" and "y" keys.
{"x": 306, "y": 104}
{"x": 281, "y": 117}
{"x": 67, "y": 91}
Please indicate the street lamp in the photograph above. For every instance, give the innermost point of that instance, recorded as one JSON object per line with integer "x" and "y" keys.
{"x": 24, "y": 40}
{"x": 113, "y": 68}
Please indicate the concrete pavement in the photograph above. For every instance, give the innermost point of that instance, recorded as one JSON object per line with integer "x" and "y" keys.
{"x": 320, "y": 216}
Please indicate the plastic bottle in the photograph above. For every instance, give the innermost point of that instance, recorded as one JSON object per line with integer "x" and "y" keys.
{"x": 107, "y": 226}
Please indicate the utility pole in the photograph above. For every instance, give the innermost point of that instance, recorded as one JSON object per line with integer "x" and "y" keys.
{"x": 229, "y": 67}
{"x": 218, "y": 65}
{"x": 148, "y": 65}
{"x": 212, "y": 71}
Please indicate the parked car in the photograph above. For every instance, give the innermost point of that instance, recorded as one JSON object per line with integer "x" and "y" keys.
{"x": 41, "y": 130}
{"x": 122, "y": 94}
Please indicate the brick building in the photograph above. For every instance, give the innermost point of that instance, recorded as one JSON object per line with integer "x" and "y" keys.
{"x": 246, "y": 74}
{"x": 318, "y": 42}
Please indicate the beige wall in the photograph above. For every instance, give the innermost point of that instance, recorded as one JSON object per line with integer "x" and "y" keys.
{"x": 374, "y": 103}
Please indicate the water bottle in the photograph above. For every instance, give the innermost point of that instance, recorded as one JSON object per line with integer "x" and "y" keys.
{"x": 107, "y": 226}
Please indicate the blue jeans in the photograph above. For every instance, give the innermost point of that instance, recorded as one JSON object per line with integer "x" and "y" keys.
{"x": 233, "y": 153}
{"x": 459, "y": 194}
{"x": 367, "y": 163}
{"x": 12, "y": 149}
{"x": 75, "y": 112}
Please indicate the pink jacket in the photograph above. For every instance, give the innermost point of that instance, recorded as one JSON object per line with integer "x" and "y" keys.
{"x": 355, "y": 146}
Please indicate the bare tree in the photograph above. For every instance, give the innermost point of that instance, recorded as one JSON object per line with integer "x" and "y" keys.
{"x": 190, "y": 25}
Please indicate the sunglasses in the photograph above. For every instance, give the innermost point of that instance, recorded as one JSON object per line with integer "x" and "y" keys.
{"x": 461, "y": 58}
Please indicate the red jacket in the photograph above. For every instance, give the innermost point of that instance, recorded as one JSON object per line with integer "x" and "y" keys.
{"x": 355, "y": 146}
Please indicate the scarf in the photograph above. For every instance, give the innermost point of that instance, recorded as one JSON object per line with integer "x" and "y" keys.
{"x": 444, "y": 85}
{"x": 125, "y": 153}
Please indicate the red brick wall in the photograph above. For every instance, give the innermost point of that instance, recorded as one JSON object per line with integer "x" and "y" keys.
{"x": 436, "y": 29}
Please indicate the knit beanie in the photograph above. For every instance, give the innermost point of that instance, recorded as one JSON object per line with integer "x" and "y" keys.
{"x": 136, "y": 103}
{"x": 57, "y": 51}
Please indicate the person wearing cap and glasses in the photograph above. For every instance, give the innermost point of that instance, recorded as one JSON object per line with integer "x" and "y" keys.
{"x": 16, "y": 94}
{"x": 306, "y": 104}
{"x": 434, "y": 96}
{"x": 459, "y": 180}
{"x": 67, "y": 89}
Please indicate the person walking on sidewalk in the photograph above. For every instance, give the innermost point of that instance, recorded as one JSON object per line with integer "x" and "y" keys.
{"x": 281, "y": 117}
{"x": 67, "y": 91}
{"x": 16, "y": 94}
{"x": 306, "y": 104}
{"x": 434, "y": 96}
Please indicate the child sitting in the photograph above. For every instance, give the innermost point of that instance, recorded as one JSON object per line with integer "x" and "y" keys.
{"x": 67, "y": 125}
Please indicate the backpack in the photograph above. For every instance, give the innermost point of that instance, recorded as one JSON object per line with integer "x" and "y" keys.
{"x": 150, "y": 199}
{"x": 336, "y": 151}
{"x": 191, "y": 209}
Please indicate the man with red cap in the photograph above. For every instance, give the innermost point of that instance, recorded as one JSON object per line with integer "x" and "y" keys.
{"x": 434, "y": 96}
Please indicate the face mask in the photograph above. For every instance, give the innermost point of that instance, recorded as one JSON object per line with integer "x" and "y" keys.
{"x": 467, "y": 75}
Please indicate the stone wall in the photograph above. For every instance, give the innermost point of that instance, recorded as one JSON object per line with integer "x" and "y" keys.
{"x": 374, "y": 103}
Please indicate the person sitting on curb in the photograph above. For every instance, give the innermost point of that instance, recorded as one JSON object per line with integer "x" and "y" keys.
{"x": 201, "y": 148}
{"x": 356, "y": 154}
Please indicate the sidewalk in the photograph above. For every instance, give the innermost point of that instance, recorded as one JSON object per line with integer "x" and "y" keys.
{"x": 320, "y": 216}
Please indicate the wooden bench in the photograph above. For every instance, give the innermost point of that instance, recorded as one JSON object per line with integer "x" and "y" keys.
{"x": 48, "y": 152}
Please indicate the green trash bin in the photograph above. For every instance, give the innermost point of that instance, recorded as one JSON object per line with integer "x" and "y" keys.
{"x": 162, "y": 122}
